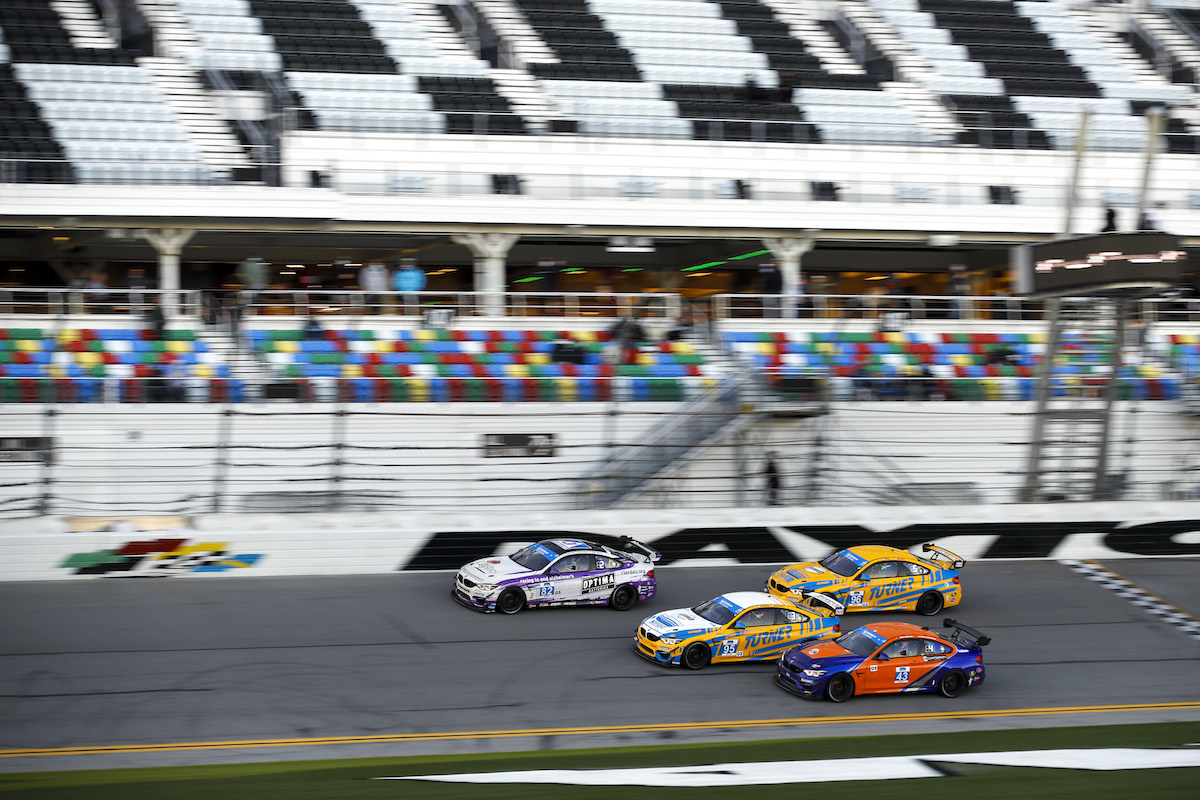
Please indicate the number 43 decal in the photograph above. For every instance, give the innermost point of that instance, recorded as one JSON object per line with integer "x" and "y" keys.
{"x": 902, "y": 674}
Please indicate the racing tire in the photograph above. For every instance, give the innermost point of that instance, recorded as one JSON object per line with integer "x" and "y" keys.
{"x": 696, "y": 656}
{"x": 623, "y": 598}
{"x": 930, "y": 603}
{"x": 510, "y": 601}
{"x": 839, "y": 688}
{"x": 953, "y": 684}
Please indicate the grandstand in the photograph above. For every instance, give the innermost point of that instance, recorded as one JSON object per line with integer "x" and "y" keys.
{"x": 552, "y": 165}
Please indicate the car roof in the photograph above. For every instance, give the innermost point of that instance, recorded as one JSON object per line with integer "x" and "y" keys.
{"x": 891, "y": 630}
{"x": 873, "y": 552}
{"x": 568, "y": 544}
{"x": 744, "y": 600}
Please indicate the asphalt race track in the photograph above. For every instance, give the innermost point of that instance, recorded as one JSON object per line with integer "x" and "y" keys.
{"x": 129, "y": 662}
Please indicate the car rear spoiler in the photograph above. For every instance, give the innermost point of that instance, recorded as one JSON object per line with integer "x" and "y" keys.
{"x": 633, "y": 547}
{"x": 826, "y": 600}
{"x": 941, "y": 554}
{"x": 963, "y": 631}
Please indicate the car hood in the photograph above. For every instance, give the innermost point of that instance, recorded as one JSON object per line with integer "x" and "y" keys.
{"x": 808, "y": 574}
{"x": 493, "y": 570}
{"x": 679, "y": 622}
{"x": 820, "y": 655}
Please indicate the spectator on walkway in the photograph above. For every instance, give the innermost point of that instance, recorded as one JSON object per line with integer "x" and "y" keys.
{"x": 252, "y": 272}
{"x": 1110, "y": 220}
{"x": 772, "y": 478}
{"x": 373, "y": 280}
{"x": 409, "y": 279}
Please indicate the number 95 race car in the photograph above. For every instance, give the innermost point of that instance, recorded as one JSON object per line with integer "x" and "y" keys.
{"x": 560, "y": 572}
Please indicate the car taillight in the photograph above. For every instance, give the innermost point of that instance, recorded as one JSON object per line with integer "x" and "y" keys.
{"x": 837, "y": 628}
{"x": 650, "y": 574}
{"x": 955, "y": 579}
{"x": 979, "y": 658}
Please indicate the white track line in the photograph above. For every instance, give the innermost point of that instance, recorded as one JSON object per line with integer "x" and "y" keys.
{"x": 1143, "y": 599}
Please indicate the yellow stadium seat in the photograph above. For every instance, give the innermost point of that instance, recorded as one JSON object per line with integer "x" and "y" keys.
{"x": 352, "y": 371}
{"x": 179, "y": 347}
{"x": 516, "y": 370}
{"x": 567, "y": 388}
{"x": 89, "y": 359}
{"x": 584, "y": 336}
{"x": 29, "y": 345}
{"x": 65, "y": 336}
{"x": 645, "y": 360}
{"x": 894, "y": 338}
{"x": 287, "y": 346}
{"x": 826, "y": 348}
{"x": 425, "y": 336}
{"x": 538, "y": 359}
{"x": 682, "y": 348}
{"x": 202, "y": 370}
{"x": 418, "y": 388}
{"x": 56, "y": 371}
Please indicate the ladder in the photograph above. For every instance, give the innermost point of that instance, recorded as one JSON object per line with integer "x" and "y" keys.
{"x": 1076, "y": 390}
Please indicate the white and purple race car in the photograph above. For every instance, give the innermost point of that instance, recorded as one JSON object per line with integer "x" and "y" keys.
{"x": 560, "y": 572}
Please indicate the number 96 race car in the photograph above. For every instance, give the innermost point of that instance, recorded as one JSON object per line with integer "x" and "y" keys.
{"x": 560, "y": 572}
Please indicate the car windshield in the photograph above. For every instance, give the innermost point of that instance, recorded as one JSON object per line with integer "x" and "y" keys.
{"x": 856, "y": 641}
{"x": 715, "y": 611}
{"x": 534, "y": 557}
{"x": 838, "y": 562}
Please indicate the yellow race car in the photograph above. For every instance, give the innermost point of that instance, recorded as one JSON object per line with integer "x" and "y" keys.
{"x": 739, "y": 626}
{"x": 877, "y": 578}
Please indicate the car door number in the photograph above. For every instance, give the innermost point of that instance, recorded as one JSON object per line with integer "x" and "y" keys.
{"x": 854, "y": 598}
{"x": 728, "y": 647}
{"x": 546, "y": 590}
{"x": 902, "y": 674}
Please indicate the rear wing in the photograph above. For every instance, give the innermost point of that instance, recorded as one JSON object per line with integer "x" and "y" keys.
{"x": 943, "y": 556}
{"x": 960, "y": 631}
{"x": 823, "y": 604}
{"x": 638, "y": 550}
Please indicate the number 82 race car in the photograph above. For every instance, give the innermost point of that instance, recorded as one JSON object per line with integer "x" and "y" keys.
{"x": 560, "y": 572}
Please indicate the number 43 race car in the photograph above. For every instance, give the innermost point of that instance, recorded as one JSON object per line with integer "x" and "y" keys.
{"x": 560, "y": 572}
{"x": 885, "y": 657}
{"x": 877, "y": 578}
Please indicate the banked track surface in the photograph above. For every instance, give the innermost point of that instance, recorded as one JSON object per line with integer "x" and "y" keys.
{"x": 389, "y": 664}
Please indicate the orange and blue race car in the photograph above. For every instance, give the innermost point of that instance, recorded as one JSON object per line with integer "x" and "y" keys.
{"x": 877, "y": 578}
{"x": 885, "y": 657}
{"x": 739, "y": 626}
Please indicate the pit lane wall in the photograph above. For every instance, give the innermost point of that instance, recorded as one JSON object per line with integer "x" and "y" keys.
{"x": 220, "y": 546}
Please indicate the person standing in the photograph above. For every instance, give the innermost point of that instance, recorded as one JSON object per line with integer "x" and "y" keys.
{"x": 252, "y": 273}
{"x": 373, "y": 281}
{"x": 772, "y": 478}
{"x": 1110, "y": 220}
{"x": 409, "y": 279}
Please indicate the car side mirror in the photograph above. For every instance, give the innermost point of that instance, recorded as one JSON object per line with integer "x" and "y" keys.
{"x": 883, "y": 657}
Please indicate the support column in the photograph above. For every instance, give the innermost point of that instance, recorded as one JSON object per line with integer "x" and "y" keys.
{"x": 490, "y": 251}
{"x": 788, "y": 252}
{"x": 169, "y": 242}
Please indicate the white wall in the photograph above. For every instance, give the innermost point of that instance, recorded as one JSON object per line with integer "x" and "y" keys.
{"x": 130, "y": 459}
{"x": 223, "y": 546}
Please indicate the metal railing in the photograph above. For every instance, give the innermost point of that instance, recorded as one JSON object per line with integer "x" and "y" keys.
{"x": 359, "y": 307}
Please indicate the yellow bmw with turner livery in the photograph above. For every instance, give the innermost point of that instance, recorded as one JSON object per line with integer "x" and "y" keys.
{"x": 877, "y": 578}
{"x": 739, "y": 626}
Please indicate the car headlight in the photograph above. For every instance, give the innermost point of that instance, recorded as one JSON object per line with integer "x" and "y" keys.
{"x": 668, "y": 641}
{"x": 486, "y": 588}
{"x": 797, "y": 590}
{"x": 814, "y": 673}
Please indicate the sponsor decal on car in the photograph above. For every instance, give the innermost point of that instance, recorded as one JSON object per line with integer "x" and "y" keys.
{"x": 598, "y": 582}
